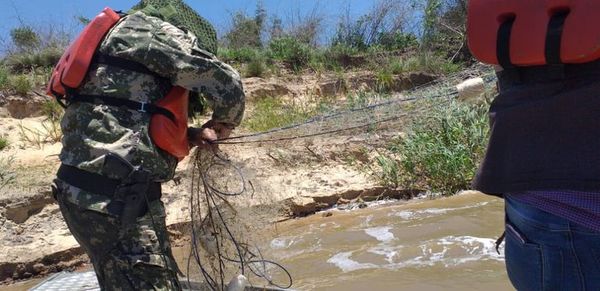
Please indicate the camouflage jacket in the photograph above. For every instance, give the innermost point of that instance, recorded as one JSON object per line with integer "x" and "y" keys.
{"x": 91, "y": 131}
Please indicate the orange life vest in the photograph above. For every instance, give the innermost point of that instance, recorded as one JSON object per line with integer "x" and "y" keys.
{"x": 168, "y": 124}
{"x": 534, "y": 32}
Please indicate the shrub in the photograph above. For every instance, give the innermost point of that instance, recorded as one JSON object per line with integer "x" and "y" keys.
{"x": 3, "y": 78}
{"x": 256, "y": 67}
{"x": 20, "y": 84}
{"x": 338, "y": 56}
{"x": 294, "y": 54}
{"x": 25, "y": 38}
{"x": 442, "y": 149}
{"x": 397, "y": 40}
{"x": 25, "y": 61}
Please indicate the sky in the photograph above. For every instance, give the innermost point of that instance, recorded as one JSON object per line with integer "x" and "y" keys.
{"x": 63, "y": 13}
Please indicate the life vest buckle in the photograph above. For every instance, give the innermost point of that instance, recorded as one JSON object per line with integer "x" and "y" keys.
{"x": 143, "y": 107}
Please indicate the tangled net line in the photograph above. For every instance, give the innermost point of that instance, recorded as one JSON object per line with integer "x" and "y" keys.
{"x": 376, "y": 112}
{"x": 218, "y": 249}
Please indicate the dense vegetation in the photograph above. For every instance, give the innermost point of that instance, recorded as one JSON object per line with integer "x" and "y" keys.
{"x": 441, "y": 151}
{"x": 393, "y": 37}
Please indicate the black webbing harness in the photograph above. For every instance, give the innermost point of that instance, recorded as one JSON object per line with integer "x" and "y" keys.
{"x": 145, "y": 107}
{"x": 554, "y": 67}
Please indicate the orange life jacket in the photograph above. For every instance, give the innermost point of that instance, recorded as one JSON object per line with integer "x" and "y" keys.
{"x": 534, "y": 32}
{"x": 168, "y": 124}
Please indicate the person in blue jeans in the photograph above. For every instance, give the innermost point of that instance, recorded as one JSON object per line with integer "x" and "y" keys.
{"x": 543, "y": 155}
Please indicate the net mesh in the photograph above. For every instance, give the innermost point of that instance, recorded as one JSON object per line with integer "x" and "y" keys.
{"x": 184, "y": 17}
{"x": 377, "y": 111}
{"x": 225, "y": 232}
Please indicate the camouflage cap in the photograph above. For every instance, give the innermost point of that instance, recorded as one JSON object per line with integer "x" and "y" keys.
{"x": 184, "y": 17}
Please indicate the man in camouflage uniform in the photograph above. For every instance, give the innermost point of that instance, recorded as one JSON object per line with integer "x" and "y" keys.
{"x": 138, "y": 256}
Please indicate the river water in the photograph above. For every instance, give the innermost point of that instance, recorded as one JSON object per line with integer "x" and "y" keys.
{"x": 443, "y": 244}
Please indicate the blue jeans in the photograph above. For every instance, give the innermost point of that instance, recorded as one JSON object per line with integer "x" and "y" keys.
{"x": 546, "y": 252}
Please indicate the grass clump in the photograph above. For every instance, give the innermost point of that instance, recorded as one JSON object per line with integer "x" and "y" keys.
{"x": 4, "y": 78}
{"x": 384, "y": 81}
{"x": 240, "y": 55}
{"x": 7, "y": 173}
{"x": 49, "y": 130}
{"x": 3, "y": 143}
{"x": 25, "y": 61}
{"x": 420, "y": 62}
{"x": 270, "y": 112}
{"x": 441, "y": 151}
{"x": 257, "y": 67}
{"x": 52, "y": 110}
{"x": 21, "y": 84}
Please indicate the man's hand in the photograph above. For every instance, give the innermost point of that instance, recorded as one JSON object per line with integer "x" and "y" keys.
{"x": 206, "y": 136}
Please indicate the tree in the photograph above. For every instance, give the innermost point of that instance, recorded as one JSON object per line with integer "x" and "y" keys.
{"x": 276, "y": 30}
{"x": 246, "y": 31}
{"x": 444, "y": 28}
{"x": 383, "y": 25}
{"x": 25, "y": 38}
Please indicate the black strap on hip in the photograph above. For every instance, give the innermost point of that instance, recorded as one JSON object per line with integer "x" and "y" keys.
{"x": 99, "y": 184}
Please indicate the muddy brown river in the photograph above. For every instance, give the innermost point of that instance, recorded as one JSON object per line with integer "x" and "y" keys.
{"x": 444, "y": 244}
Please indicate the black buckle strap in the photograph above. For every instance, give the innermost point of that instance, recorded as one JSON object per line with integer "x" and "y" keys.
{"x": 503, "y": 50}
{"x": 503, "y": 44}
{"x": 118, "y": 102}
{"x": 554, "y": 37}
{"x": 99, "y": 184}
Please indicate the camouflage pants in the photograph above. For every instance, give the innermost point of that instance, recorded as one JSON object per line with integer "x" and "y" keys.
{"x": 125, "y": 258}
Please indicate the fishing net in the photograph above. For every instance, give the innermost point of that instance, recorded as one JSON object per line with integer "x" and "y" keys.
{"x": 226, "y": 233}
{"x": 373, "y": 111}
{"x": 184, "y": 17}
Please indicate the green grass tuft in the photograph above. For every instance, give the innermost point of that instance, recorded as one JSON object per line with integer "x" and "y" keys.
{"x": 21, "y": 84}
{"x": 3, "y": 143}
{"x": 270, "y": 112}
{"x": 7, "y": 173}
